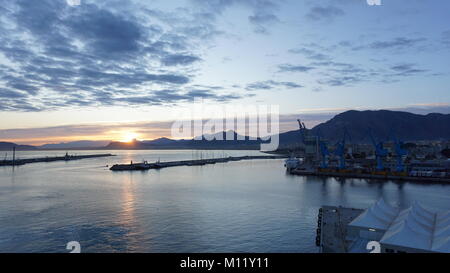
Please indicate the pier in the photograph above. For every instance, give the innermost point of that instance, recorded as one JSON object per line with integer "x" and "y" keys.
{"x": 332, "y": 223}
{"x": 67, "y": 157}
{"x": 197, "y": 162}
{"x": 387, "y": 177}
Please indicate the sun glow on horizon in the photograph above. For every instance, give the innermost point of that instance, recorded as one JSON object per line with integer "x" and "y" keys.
{"x": 129, "y": 136}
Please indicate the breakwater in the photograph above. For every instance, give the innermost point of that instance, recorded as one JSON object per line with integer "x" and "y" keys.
{"x": 196, "y": 162}
{"x": 67, "y": 157}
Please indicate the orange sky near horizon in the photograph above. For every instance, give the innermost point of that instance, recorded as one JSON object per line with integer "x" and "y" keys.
{"x": 126, "y": 136}
{"x": 122, "y": 136}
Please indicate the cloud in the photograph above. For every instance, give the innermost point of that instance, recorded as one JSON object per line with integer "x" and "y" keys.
{"x": 346, "y": 74}
{"x": 98, "y": 55}
{"x": 269, "y": 85}
{"x": 340, "y": 80}
{"x": 407, "y": 69}
{"x": 397, "y": 43}
{"x": 294, "y": 68}
{"x": 446, "y": 38}
{"x": 332, "y": 72}
{"x": 263, "y": 11}
{"x": 10, "y": 94}
{"x": 21, "y": 85}
{"x": 311, "y": 51}
{"x": 42, "y": 135}
{"x": 178, "y": 59}
{"x": 105, "y": 33}
{"x": 340, "y": 67}
{"x": 261, "y": 21}
{"x": 328, "y": 13}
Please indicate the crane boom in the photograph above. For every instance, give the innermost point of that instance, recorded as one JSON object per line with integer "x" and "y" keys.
{"x": 380, "y": 152}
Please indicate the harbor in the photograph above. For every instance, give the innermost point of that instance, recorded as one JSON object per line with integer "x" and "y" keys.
{"x": 248, "y": 204}
{"x": 393, "y": 160}
{"x": 196, "y": 162}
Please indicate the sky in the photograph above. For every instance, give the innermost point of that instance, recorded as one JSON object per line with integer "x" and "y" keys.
{"x": 116, "y": 69}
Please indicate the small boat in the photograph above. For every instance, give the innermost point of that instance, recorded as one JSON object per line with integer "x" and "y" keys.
{"x": 291, "y": 163}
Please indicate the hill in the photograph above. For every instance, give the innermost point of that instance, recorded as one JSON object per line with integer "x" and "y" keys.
{"x": 205, "y": 143}
{"x": 383, "y": 123}
{"x": 8, "y": 146}
{"x": 75, "y": 145}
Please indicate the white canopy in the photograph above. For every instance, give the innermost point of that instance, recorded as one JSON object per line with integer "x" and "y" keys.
{"x": 443, "y": 219}
{"x": 419, "y": 228}
{"x": 441, "y": 234}
{"x": 379, "y": 216}
{"x": 408, "y": 231}
{"x": 442, "y": 245}
{"x": 423, "y": 212}
{"x": 404, "y": 234}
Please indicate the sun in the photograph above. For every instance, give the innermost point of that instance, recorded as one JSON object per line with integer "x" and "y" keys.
{"x": 129, "y": 136}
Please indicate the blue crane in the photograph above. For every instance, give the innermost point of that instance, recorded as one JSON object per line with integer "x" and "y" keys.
{"x": 399, "y": 153}
{"x": 323, "y": 151}
{"x": 380, "y": 152}
{"x": 340, "y": 150}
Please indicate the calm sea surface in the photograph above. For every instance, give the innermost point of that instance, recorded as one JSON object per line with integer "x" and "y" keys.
{"x": 247, "y": 206}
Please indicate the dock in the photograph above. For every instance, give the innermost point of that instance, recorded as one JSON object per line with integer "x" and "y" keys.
{"x": 67, "y": 157}
{"x": 196, "y": 162}
{"x": 387, "y": 177}
{"x": 332, "y": 228}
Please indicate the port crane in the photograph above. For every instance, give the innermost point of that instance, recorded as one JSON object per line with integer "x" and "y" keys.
{"x": 323, "y": 150}
{"x": 302, "y": 130}
{"x": 399, "y": 153}
{"x": 340, "y": 150}
{"x": 380, "y": 151}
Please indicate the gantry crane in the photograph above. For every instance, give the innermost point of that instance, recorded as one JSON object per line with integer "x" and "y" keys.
{"x": 399, "y": 153}
{"x": 380, "y": 152}
{"x": 340, "y": 149}
{"x": 323, "y": 150}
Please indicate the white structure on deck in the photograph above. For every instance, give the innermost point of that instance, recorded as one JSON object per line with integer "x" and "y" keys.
{"x": 415, "y": 229}
{"x": 373, "y": 222}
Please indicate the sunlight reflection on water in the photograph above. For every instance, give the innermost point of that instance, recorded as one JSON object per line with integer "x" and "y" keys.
{"x": 247, "y": 206}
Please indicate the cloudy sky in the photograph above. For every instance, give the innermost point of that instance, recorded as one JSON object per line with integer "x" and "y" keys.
{"x": 106, "y": 69}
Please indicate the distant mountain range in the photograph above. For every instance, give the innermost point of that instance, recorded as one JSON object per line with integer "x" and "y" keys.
{"x": 8, "y": 146}
{"x": 75, "y": 144}
{"x": 204, "y": 143}
{"x": 383, "y": 124}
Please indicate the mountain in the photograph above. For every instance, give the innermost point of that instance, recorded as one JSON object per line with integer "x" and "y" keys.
{"x": 161, "y": 141}
{"x": 383, "y": 123}
{"x": 8, "y": 146}
{"x": 205, "y": 142}
{"x": 75, "y": 145}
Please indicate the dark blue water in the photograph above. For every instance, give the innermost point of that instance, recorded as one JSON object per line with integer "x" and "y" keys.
{"x": 247, "y": 206}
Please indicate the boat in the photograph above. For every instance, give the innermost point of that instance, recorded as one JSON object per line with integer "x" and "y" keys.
{"x": 291, "y": 163}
